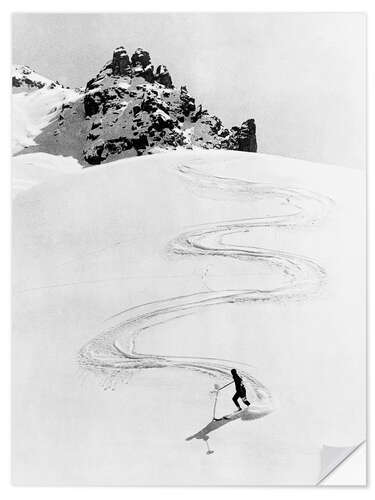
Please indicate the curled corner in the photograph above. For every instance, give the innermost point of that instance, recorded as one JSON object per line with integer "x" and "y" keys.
{"x": 332, "y": 457}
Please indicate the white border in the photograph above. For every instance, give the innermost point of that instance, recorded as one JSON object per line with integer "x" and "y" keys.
{"x": 6, "y": 490}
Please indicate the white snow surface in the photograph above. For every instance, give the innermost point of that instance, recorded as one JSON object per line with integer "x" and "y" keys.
{"x": 228, "y": 259}
{"x": 33, "y": 169}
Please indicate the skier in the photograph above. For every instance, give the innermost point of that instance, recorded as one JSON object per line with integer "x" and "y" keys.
{"x": 240, "y": 390}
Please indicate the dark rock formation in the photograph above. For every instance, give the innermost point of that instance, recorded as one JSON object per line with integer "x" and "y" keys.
{"x": 198, "y": 114}
{"x": 17, "y": 82}
{"x": 247, "y": 138}
{"x": 121, "y": 63}
{"x": 25, "y": 77}
{"x": 187, "y": 102}
{"x": 128, "y": 110}
{"x": 141, "y": 63}
{"x": 244, "y": 138}
{"x": 163, "y": 77}
{"x": 141, "y": 58}
{"x": 91, "y": 104}
{"x": 102, "y": 150}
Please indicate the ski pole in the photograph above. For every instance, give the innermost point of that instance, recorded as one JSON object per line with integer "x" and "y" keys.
{"x": 217, "y": 389}
{"x": 226, "y": 385}
{"x": 214, "y": 410}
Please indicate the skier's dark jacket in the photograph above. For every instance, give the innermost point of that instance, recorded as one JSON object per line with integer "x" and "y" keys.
{"x": 240, "y": 388}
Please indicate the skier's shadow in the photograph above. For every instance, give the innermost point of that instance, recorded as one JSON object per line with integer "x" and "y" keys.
{"x": 250, "y": 414}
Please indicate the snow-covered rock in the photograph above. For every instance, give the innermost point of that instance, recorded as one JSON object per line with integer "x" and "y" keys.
{"x": 25, "y": 79}
{"x": 37, "y": 105}
{"x": 127, "y": 110}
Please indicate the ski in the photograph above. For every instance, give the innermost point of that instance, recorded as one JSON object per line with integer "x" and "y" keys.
{"x": 231, "y": 415}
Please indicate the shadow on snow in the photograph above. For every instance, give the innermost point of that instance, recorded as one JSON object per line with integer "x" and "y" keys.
{"x": 213, "y": 425}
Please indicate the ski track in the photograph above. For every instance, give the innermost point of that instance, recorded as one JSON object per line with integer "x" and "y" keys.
{"x": 113, "y": 353}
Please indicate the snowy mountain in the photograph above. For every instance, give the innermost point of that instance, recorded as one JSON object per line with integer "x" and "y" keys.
{"x": 37, "y": 103}
{"x": 25, "y": 79}
{"x": 128, "y": 109}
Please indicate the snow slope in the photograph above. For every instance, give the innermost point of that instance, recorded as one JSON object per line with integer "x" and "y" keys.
{"x": 34, "y": 108}
{"x": 150, "y": 278}
{"x": 34, "y": 169}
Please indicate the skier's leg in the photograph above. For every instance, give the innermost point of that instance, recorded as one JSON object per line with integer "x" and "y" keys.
{"x": 244, "y": 398}
{"x": 235, "y": 400}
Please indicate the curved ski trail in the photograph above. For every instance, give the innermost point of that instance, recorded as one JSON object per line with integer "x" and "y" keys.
{"x": 113, "y": 353}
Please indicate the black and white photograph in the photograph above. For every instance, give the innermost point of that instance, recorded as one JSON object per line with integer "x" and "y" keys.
{"x": 188, "y": 248}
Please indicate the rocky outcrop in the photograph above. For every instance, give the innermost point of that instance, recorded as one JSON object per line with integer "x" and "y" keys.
{"x": 142, "y": 67}
{"x": 121, "y": 63}
{"x": 129, "y": 109}
{"x": 187, "y": 102}
{"x": 243, "y": 138}
{"x": 91, "y": 104}
{"x": 141, "y": 58}
{"x": 247, "y": 140}
{"x": 24, "y": 78}
{"x": 163, "y": 77}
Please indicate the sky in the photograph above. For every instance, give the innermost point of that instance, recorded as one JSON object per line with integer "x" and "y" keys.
{"x": 301, "y": 76}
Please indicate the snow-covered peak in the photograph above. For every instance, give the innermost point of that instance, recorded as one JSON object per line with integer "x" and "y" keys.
{"x": 24, "y": 78}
